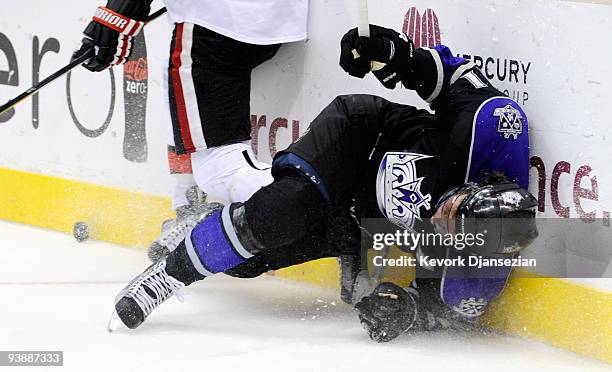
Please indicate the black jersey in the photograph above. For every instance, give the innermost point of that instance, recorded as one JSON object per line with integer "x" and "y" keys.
{"x": 371, "y": 158}
{"x": 392, "y": 160}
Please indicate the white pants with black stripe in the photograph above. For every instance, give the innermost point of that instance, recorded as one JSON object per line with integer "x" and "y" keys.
{"x": 207, "y": 86}
{"x": 228, "y": 173}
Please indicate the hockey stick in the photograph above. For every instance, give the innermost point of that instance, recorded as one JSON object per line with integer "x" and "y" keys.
{"x": 363, "y": 28}
{"x": 363, "y": 21}
{"x": 63, "y": 71}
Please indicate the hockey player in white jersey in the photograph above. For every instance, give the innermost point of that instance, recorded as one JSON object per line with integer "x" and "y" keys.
{"x": 215, "y": 46}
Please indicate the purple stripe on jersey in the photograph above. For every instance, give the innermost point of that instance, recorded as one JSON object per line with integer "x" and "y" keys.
{"x": 450, "y": 62}
{"x": 214, "y": 249}
{"x": 468, "y": 290}
{"x": 500, "y": 142}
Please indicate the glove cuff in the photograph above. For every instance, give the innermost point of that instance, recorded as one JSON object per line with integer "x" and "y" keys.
{"x": 117, "y": 22}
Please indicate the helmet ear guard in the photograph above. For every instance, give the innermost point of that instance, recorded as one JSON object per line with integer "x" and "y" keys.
{"x": 504, "y": 213}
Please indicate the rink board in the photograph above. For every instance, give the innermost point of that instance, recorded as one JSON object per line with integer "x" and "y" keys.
{"x": 564, "y": 314}
{"x": 70, "y": 156}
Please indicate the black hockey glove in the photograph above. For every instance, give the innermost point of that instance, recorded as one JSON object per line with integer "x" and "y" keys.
{"x": 385, "y": 46}
{"x": 388, "y": 312}
{"x": 111, "y": 32}
{"x": 355, "y": 66}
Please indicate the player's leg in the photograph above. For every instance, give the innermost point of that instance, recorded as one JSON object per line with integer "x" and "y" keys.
{"x": 283, "y": 224}
{"x": 288, "y": 210}
{"x": 333, "y": 154}
{"x": 335, "y": 151}
{"x": 210, "y": 87}
{"x": 294, "y": 207}
{"x": 207, "y": 86}
{"x": 179, "y": 162}
{"x": 187, "y": 199}
{"x": 338, "y": 236}
{"x": 335, "y": 146}
{"x": 326, "y": 168}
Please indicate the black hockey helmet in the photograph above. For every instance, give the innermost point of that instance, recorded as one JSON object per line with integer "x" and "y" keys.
{"x": 503, "y": 212}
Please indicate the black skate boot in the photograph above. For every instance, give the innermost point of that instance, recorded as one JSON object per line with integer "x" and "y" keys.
{"x": 155, "y": 285}
{"x": 143, "y": 294}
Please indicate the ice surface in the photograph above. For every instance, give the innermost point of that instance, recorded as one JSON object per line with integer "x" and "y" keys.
{"x": 57, "y": 294}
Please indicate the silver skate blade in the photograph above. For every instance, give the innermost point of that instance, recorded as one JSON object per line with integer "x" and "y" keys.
{"x": 115, "y": 323}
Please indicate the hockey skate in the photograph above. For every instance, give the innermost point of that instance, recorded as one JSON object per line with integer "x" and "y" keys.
{"x": 156, "y": 284}
{"x": 174, "y": 231}
{"x": 142, "y": 295}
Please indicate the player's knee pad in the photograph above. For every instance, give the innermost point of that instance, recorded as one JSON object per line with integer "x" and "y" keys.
{"x": 230, "y": 173}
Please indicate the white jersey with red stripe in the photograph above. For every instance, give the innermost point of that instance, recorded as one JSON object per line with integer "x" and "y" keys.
{"x": 261, "y": 22}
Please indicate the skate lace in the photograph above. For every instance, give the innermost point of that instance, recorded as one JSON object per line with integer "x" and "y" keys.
{"x": 172, "y": 236}
{"x": 154, "y": 288}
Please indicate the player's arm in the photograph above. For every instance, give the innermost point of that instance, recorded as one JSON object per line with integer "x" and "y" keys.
{"x": 446, "y": 82}
{"x": 111, "y": 32}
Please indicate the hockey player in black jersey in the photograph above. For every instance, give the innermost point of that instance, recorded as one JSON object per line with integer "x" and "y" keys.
{"x": 366, "y": 157}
